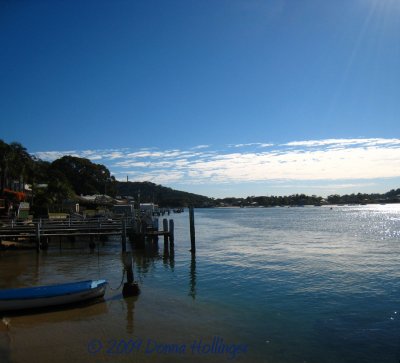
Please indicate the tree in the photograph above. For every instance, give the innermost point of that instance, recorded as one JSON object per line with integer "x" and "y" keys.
{"x": 15, "y": 165}
{"x": 22, "y": 164}
{"x": 4, "y": 153}
{"x": 58, "y": 188}
{"x": 84, "y": 176}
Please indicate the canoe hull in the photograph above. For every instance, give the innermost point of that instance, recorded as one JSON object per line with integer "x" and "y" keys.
{"x": 52, "y": 296}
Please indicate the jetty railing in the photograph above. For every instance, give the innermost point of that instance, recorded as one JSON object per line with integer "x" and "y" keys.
{"x": 40, "y": 231}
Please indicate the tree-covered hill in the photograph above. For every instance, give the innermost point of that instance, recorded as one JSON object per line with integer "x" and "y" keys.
{"x": 163, "y": 196}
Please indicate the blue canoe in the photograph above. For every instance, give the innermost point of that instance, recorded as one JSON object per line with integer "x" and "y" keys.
{"x": 51, "y": 295}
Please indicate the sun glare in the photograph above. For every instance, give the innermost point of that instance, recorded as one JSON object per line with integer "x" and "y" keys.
{"x": 384, "y": 8}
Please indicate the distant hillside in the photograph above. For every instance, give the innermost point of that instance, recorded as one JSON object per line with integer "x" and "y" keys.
{"x": 163, "y": 196}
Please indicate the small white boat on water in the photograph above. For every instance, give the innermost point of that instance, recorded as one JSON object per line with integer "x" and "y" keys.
{"x": 51, "y": 295}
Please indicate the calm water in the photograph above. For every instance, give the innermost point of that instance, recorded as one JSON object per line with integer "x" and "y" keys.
{"x": 277, "y": 285}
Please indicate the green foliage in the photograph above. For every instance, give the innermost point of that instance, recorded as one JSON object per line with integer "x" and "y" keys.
{"x": 52, "y": 183}
{"x": 301, "y": 199}
{"x": 271, "y": 201}
{"x": 392, "y": 196}
{"x": 85, "y": 177}
{"x": 58, "y": 188}
{"x": 163, "y": 196}
{"x": 15, "y": 165}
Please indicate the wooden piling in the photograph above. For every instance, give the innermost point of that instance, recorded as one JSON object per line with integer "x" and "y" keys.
{"x": 192, "y": 231}
{"x": 165, "y": 229}
{"x": 131, "y": 288}
{"x": 128, "y": 267}
{"x": 171, "y": 233}
{"x": 38, "y": 237}
{"x": 192, "y": 291}
{"x": 123, "y": 235}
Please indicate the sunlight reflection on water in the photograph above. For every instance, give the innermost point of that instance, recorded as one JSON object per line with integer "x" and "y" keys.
{"x": 296, "y": 284}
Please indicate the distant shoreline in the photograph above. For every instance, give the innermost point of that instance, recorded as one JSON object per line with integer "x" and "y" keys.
{"x": 303, "y": 206}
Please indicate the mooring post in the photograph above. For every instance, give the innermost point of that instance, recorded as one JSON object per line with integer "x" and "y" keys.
{"x": 123, "y": 235}
{"x": 165, "y": 229}
{"x": 192, "y": 291}
{"x": 37, "y": 237}
{"x": 192, "y": 231}
{"x": 128, "y": 267}
{"x": 131, "y": 288}
{"x": 171, "y": 233}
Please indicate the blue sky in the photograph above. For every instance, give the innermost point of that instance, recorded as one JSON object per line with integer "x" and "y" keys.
{"x": 217, "y": 97}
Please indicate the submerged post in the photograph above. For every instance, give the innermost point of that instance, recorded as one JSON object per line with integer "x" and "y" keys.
{"x": 131, "y": 288}
{"x": 192, "y": 231}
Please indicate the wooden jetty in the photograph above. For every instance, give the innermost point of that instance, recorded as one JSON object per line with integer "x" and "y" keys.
{"x": 40, "y": 232}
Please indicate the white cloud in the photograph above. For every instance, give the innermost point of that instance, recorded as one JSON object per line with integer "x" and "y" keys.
{"x": 309, "y": 160}
{"x": 344, "y": 142}
{"x": 53, "y": 155}
{"x": 114, "y": 155}
{"x": 144, "y": 154}
{"x": 344, "y": 185}
{"x": 200, "y": 147}
{"x": 249, "y": 145}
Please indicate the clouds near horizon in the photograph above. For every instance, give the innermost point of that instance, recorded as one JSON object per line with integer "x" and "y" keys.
{"x": 329, "y": 161}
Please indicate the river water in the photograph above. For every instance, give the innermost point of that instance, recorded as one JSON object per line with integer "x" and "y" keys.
{"x": 276, "y": 285}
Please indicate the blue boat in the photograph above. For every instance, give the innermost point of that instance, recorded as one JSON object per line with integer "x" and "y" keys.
{"x": 51, "y": 295}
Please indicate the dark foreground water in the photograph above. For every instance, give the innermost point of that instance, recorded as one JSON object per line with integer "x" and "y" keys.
{"x": 278, "y": 285}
